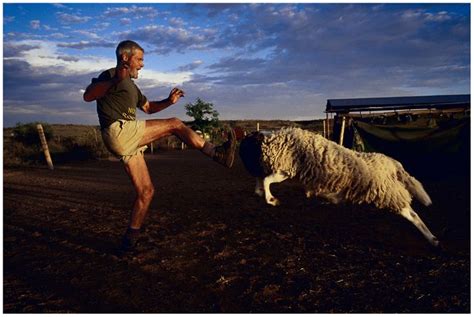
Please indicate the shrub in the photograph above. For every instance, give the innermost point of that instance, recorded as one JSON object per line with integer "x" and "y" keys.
{"x": 28, "y": 133}
{"x": 78, "y": 149}
{"x": 23, "y": 146}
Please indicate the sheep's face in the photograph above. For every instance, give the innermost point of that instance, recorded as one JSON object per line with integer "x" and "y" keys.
{"x": 251, "y": 153}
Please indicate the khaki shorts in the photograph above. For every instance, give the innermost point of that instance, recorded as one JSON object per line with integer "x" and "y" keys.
{"x": 122, "y": 139}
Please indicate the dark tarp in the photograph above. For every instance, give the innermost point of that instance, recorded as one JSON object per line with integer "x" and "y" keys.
{"x": 398, "y": 103}
{"x": 424, "y": 145}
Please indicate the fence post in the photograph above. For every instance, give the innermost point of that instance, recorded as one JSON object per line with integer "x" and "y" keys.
{"x": 343, "y": 126}
{"x": 95, "y": 135}
{"x": 44, "y": 145}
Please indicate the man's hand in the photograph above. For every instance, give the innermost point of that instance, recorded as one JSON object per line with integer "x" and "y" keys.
{"x": 175, "y": 94}
{"x": 122, "y": 71}
{"x": 99, "y": 89}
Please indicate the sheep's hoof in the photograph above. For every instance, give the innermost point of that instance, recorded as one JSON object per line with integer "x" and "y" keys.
{"x": 435, "y": 242}
{"x": 273, "y": 201}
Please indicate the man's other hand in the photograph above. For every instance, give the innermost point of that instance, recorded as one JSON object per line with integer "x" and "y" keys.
{"x": 175, "y": 94}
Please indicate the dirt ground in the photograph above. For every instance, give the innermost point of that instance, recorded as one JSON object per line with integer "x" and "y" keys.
{"x": 211, "y": 245}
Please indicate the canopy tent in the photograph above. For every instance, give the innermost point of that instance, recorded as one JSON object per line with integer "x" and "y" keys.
{"x": 425, "y": 133}
{"x": 398, "y": 103}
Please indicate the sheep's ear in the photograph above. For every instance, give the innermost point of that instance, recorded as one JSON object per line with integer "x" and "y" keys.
{"x": 260, "y": 137}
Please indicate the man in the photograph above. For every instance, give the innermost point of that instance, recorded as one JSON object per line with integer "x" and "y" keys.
{"x": 117, "y": 98}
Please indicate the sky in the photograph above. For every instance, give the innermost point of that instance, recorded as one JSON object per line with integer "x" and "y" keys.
{"x": 251, "y": 61}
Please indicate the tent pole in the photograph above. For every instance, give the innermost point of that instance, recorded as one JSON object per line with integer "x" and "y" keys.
{"x": 324, "y": 128}
{"x": 327, "y": 125}
{"x": 341, "y": 136}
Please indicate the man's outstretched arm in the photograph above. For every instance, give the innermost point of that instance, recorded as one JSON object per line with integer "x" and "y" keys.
{"x": 156, "y": 106}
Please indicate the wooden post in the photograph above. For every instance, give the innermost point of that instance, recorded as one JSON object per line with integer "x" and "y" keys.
{"x": 343, "y": 125}
{"x": 328, "y": 132}
{"x": 324, "y": 128}
{"x": 44, "y": 145}
{"x": 95, "y": 135}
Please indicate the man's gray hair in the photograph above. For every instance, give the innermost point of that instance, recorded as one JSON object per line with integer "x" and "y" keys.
{"x": 127, "y": 47}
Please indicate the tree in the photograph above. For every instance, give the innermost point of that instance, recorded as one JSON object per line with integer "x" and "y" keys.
{"x": 205, "y": 117}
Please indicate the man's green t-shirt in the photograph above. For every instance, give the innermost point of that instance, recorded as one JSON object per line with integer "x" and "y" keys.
{"x": 120, "y": 102}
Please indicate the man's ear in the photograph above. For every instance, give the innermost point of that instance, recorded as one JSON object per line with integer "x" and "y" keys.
{"x": 124, "y": 57}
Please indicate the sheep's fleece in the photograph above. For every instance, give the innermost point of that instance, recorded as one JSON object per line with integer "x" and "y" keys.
{"x": 334, "y": 172}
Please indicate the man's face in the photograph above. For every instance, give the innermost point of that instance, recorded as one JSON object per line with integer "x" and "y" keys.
{"x": 136, "y": 63}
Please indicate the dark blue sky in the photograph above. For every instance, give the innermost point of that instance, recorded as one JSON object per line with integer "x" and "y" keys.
{"x": 252, "y": 61}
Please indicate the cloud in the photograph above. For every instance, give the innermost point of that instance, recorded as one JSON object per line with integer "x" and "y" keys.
{"x": 190, "y": 67}
{"x": 102, "y": 26}
{"x": 304, "y": 48}
{"x": 49, "y": 28}
{"x": 178, "y": 39}
{"x": 244, "y": 65}
{"x": 8, "y": 19}
{"x": 35, "y": 24}
{"x": 40, "y": 81}
{"x": 59, "y": 5}
{"x": 423, "y": 15}
{"x": 412, "y": 14}
{"x": 68, "y": 58}
{"x": 43, "y": 56}
{"x": 67, "y": 18}
{"x": 176, "y": 22}
{"x": 213, "y": 10}
{"x": 87, "y": 34}
{"x": 125, "y": 21}
{"x": 438, "y": 17}
{"x": 134, "y": 11}
{"x": 43, "y": 95}
{"x": 58, "y": 36}
{"x": 16, "y": 50}
{"x": 87, "y": 44}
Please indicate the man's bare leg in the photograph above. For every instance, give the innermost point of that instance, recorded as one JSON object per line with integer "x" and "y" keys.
{"x": 159, "y": 128}
{"x": 137, "y": 170}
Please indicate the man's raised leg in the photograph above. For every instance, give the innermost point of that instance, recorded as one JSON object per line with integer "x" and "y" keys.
{"x": 159, "y": 128}
{"x": 156, "y": 129}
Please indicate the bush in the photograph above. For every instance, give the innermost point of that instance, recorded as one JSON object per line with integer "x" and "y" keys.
{"x": 78, "y": 149}
{"x": 24, "y": 147}
{"x": 16, "y": 153}
{"x": 28, "y": 133}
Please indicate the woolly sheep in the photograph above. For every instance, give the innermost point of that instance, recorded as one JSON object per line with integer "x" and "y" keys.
{"x": 332, "y": 172}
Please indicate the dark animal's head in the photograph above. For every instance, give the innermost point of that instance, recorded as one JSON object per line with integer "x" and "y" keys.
{"x": 251, "y": 153}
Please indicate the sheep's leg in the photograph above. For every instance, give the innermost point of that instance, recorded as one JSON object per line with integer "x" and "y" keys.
{"x": 333, "y": 198}
{"x": 259, "y": 187}
{"x": 273, "y": 178}
{"x": 413, "y": 217}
